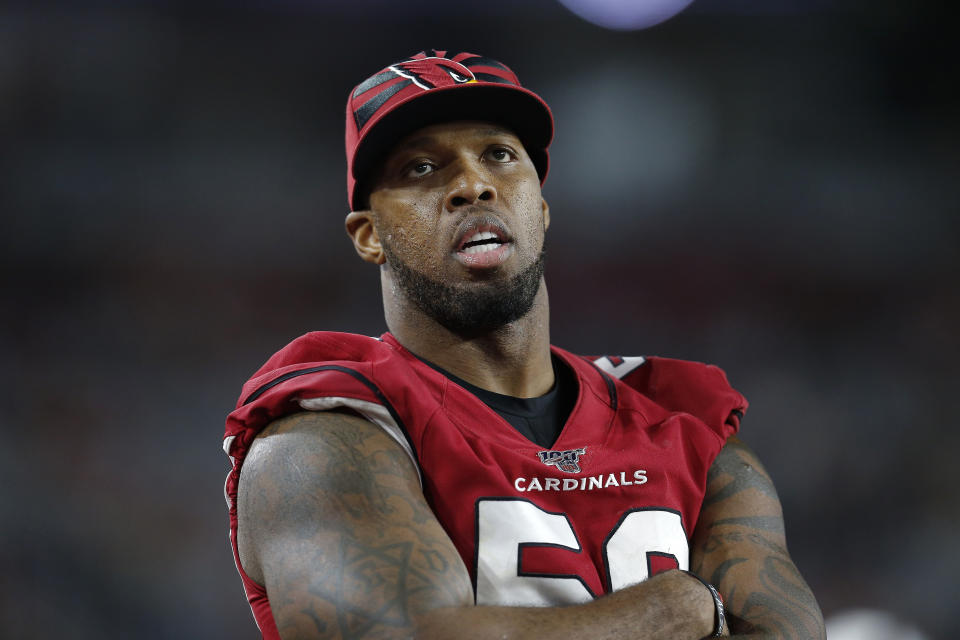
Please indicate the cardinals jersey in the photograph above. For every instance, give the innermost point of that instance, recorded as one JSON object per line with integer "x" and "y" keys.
{"x": 612, "y": 502}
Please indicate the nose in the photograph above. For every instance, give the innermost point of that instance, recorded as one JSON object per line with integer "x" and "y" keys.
{"x": 471, "y": 186}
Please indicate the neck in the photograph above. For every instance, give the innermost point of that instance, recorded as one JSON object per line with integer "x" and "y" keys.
{"x": 512, "y": 360}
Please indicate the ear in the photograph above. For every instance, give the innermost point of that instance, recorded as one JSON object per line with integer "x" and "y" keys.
{"x": 546, "y": 213}
{"x": 360, "y": 227}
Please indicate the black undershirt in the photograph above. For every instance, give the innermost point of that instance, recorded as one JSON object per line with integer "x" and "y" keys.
{"x": 540, "y": 419}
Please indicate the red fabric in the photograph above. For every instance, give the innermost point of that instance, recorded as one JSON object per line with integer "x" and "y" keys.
{"x": 668, "y": 419}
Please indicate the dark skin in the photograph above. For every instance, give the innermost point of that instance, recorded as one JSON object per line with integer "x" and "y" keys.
{"x": 429, "y": 189}
{"x": 332, "y": 517}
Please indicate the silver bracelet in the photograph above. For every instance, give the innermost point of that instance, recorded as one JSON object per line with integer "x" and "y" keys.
{"x": 717, "y": 601}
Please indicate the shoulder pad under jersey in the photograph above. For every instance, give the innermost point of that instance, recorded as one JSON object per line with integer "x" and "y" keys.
{"x": 684, "y": 386}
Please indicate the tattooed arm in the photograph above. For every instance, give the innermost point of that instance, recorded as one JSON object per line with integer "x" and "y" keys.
{"x": 333, "y": 522}
{"x": 740, "y": 547}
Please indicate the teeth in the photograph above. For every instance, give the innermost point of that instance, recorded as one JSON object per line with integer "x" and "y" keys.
{"x": 480, "y": 242}
{"x": 483, "y": 235}
{"x": 480, "y": 248}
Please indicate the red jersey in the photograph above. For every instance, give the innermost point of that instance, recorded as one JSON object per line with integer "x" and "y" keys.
{"x": 614, "y": 501}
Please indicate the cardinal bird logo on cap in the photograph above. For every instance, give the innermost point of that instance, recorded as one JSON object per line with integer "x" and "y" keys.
{"x": 430, "y": 73}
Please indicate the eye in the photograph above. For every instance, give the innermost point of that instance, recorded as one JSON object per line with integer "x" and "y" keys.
{"x": 419, "y": 168}
{"x": 501, "y": 154}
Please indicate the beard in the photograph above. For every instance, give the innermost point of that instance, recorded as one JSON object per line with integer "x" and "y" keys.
{"x": 469, "y": 310}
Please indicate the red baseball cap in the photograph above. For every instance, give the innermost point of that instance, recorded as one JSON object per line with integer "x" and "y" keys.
{"x": 432, "y": 87}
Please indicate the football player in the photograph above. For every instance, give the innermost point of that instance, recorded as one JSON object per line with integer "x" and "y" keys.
{"x": 461, "y": 477}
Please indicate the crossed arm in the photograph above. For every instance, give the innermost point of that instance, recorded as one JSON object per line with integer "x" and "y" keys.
{"x": 740, "y": 547}
{"x": 334, "y": 524}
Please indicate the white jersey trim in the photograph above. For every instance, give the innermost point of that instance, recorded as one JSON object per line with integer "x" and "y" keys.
{"x": 227, "y": 444}
{"x": 618, "y": 371}
{"x": 375, "y": 413}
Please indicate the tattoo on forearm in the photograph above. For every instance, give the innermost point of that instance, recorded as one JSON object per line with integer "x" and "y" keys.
{"x": 781, "y": 574}
{"x": 742, "y": 550}
{"x": 720, "y": 572}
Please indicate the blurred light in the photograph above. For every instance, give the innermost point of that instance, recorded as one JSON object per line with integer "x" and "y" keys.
{"x": 626, "y": 14}
{"x": 870, "y": 624}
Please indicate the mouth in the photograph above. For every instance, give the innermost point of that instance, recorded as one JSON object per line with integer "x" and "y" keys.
{"x": 484, "y": 245}
{"x": 481, "y": 241}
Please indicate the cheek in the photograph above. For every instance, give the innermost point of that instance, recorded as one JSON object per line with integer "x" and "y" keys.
{"x": 404, "y": 219}
{"x": 529, "y": 200}
{"x": 413, "y": 237}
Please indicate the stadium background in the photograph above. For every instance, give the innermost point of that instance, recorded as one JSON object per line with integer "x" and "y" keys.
{"x": 766, "y": 185}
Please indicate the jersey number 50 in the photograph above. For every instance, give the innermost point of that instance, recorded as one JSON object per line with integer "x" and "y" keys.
{"x": 506, "y": 525}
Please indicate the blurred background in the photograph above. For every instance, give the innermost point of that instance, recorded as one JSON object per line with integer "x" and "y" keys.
{"x": 768, "y": 185}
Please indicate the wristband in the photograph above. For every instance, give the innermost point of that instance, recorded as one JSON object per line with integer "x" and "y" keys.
{"x": 717, "y": 601}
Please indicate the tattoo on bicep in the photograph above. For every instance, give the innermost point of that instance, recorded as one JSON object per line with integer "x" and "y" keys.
{"x": 356, "y": 475}
{"x": 717, "y": 541}
{"x": 381, "y": 575}
{"x": 736, "y": 462}
{"x": 373, "y": 589}
{"x": 434, "y": 560}
{"x": 773, "y": 524}
{"x": 361, "y": 565}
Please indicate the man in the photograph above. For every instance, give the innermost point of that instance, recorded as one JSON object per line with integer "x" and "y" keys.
{"x": 459, "y": 477}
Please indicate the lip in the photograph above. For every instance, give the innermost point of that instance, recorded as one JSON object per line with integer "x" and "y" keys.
{"x": 487, "y": 259}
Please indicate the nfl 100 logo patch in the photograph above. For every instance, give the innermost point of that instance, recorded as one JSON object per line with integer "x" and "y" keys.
{"x": 566, "y": 461}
